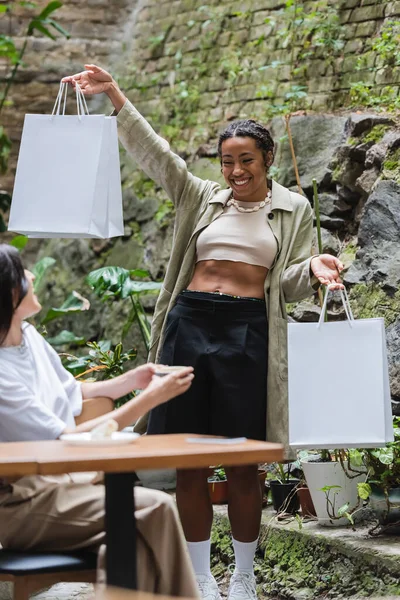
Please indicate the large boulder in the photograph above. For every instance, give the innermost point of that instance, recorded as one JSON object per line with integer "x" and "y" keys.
{"x": 316, "y": 139}
{"x": 378, "y": 259}
{"x": 393, "y": 343}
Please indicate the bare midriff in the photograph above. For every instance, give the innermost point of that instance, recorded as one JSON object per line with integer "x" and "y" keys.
{"x": 229, "y": 277}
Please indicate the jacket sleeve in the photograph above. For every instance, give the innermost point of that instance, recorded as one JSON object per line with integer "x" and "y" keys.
{"x": 297, "y": 282}
{"x": 153, "y": 154}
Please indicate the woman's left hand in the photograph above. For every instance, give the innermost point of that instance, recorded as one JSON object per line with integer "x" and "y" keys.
{"x": 142, "y": 376}
{"x": 326, "y": 269}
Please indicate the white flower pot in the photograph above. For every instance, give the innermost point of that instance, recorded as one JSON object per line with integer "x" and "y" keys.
{"x": 321, "y": 474}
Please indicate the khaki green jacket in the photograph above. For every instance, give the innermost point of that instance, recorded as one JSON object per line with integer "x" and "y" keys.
{"x": 197, "y": 204}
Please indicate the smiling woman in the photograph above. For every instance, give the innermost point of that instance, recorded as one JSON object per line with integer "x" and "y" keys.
{"x": 239, "y": 254}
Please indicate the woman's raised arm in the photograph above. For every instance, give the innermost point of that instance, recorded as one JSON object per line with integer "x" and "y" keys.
{"x": 149, "y": 150}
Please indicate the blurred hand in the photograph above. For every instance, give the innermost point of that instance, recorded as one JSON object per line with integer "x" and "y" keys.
{"x": 164, "y": 388}
{"x": 142, "y": 376}
{"x": 93, "y": 80}
{"x": 327, "y": 269}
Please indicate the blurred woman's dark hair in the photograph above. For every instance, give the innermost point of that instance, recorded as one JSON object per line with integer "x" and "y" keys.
{"x": 13, "y": 287}
{"x": 253, "y": 129}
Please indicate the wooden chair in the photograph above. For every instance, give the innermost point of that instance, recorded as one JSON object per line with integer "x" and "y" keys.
{"x": 33, "y": 571}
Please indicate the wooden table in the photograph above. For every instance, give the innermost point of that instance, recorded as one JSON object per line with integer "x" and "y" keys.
{"x": 119, "y": 464}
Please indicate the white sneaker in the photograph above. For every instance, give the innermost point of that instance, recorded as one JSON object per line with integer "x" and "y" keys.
{"x": 242, "y": 586}
{"x": 208, "y": 587}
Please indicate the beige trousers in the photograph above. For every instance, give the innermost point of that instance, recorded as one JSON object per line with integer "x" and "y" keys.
{"x": 67, "y": 513}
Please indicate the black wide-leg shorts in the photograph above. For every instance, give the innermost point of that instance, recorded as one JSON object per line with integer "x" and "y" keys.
{"x": 225, "y": 339}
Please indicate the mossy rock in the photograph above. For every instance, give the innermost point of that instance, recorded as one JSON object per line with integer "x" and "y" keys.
{"x": 294, "y": 564}
{"x": 371, "y": 301}
{"x": 391, "y": 166}
{"x": 126, "y": 254}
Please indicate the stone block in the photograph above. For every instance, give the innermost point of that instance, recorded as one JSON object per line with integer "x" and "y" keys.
{"x": 392, "y": 9}
{"x": 354, "y": 46}
{"x": 366, "y": 29}
{"x": 367, "y": 13}
{"x": 384, "y": 76}
{"x": 350, "y": 31}
{"x": 260, "y": 17}
{"x": 345, "y": 15}
{"x": 349, "y": 64}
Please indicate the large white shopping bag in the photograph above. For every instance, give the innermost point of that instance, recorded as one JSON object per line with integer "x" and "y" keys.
{"x": 67, "y": 182}
{"x": 339, "y": 395}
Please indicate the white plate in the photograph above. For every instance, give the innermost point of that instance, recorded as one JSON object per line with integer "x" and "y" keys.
{"x": 162, "y": 370}
{"x": 85, "y": 439}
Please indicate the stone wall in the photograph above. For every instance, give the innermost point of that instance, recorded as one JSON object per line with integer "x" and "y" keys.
{"x": 97, "y": 28}
{"x": 197, "y": 62}
{"x": 190, "y": 65}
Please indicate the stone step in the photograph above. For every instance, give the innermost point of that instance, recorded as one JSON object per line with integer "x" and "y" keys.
{"x": 302, "y": 560}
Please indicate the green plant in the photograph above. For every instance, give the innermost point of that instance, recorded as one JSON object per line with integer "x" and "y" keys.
{"x": 116, "y": 283}
{"x": 218, "y": 474}
{"x": 383, "y": 464}
{"x": 282, "y": 474}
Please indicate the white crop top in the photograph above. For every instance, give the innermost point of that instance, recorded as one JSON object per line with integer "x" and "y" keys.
{"x": 239, "y": 237}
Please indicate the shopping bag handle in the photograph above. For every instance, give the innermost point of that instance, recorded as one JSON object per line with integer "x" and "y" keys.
{"x": 345, "y": 301}
{"x": 81, "y": 105}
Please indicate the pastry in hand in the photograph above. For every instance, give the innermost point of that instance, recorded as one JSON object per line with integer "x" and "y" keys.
{"x": 104, "y": 430}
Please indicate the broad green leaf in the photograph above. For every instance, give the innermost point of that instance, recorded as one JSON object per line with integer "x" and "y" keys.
{"x": 58, "y": 27}
{"x": 110, "y": 279}
{"x": 328, "y": 488}
{"x": 74, "y": 303}
{"x": 137, "y": 287}
{"x": 51, "y": 7}
{"x": 139, "y": 273}
{"x": 364, "y": 490}
{"x": 3, "y": 8}
{"x": 66, "y": 337}
{"x": 40, "y": 269}
{"x": 38, "y": 25}
{"x": 19, "y": 242}
{"x": 76, "y": 366}
{"x": 343, "y": 509}
{"x": 384, "y": 455}
{"x": 356, "y": 457}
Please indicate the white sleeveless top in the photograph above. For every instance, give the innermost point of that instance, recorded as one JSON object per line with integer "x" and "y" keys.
{"x": 239, "y": 237}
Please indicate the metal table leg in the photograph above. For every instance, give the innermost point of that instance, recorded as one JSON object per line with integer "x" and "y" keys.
{"x": 120, "y": 525}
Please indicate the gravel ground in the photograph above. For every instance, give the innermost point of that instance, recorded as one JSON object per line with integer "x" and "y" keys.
{"x": 61, "y": 591}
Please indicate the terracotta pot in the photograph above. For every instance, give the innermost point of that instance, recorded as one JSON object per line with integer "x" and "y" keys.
{"x": 219, "y": 489}
{"x": 284, "y": 497}
{"x": 306, "y": 503}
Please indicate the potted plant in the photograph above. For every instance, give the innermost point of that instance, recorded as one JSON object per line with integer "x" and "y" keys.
{"x": 218, "y": 484}
{"x": 283, "y": 490}
{"x": 332, "y": 478}
{"x": 383, "y": 486}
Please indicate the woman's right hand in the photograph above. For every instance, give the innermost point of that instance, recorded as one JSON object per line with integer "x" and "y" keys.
{"x": 95, "y": 80}
{"x": 162, "y": 389}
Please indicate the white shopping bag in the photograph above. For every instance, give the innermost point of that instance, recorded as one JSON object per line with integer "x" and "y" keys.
{"x": 339, "y": 395}
{"x": 68, "y": 175}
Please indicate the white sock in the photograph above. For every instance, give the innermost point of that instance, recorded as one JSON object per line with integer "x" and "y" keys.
{"x": 200, "y": 555}
{"x": 244, "y": 555}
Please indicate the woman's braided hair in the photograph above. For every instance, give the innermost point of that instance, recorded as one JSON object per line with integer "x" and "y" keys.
{"x": 253, "y": 129}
